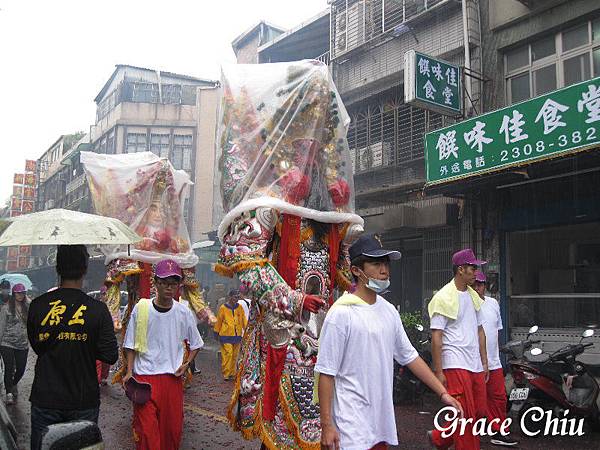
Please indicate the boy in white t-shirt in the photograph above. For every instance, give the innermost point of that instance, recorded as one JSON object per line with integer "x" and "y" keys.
{"x": 458, "y": 348}
{"x": 496, "y": 392}
{"x": 361, "y": 336}
{"x": 154, "y": 346}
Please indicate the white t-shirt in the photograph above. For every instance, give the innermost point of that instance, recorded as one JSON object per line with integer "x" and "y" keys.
{"x": 166, "y": 333}
{"x": 492, "y": 323}
{"x": 357, "y": 346}
{"x": 460, "y": 339}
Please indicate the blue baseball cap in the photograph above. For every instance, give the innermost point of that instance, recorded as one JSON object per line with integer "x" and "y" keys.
{"x": 370, "y": 245}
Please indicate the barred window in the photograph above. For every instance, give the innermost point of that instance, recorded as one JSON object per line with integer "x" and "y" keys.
{"x": 136, "y": 142}
{"x": 160, "y": 144}
{"x": 389, "y": 132}
{"x": 182, "y": 151}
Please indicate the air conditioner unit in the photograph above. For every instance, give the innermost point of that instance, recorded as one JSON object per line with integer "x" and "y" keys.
{"x": 340, "y": 33}
{"x": 350, "y": 28}
{"x": 356, "y": 25}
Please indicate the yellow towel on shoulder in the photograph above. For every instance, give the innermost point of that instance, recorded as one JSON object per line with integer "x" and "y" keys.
{"x": 141, "y": 325}
{"x": 445, "y": 301}
{"x": 345, "y": 300}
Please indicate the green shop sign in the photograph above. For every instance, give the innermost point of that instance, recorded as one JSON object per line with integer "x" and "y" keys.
{"x": 432, "y": 84}
{"x": 562, "y": 121}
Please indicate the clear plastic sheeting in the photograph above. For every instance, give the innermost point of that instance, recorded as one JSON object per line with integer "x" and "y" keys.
{"x": 281, "y": 142}
{"x": 146, "y": 193}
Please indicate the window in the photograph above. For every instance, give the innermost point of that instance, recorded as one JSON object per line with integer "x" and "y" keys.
{"x": 159, "y": 144}
{"x": 110, "y": 143}
{"x": 136, "y": 142}
{"x": 553, "y": 62}
{"x": 182, "y": 152}
{"x": 145, "y": 92}
{"x": 171, "y": 94}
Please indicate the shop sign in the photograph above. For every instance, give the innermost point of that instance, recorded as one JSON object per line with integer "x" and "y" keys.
{"x": 560, "y": 122}
{"x": 18, "y": 178}
{"x": 30, "y": 165}
{"x": 29, "y": 193}
{"x": 432, "y": 83}
{"x": 30, "y": 179}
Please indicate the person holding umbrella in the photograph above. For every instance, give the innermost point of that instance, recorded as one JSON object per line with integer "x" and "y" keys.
{"x": 13, "y": 340}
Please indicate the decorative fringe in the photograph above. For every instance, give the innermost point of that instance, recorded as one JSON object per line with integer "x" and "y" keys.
{"x": 229, "y": 271}
{"x": 343, "y": 283}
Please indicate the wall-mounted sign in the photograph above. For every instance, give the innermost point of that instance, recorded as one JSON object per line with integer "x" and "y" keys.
{"x": 433, "y": 84}
{"x": 562, "y": 121}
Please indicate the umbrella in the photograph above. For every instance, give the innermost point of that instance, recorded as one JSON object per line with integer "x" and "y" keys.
{"x": 65, "y": 227}
{"x": 14, "y": 278}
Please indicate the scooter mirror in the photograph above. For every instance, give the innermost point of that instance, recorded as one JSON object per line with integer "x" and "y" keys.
{"x": 536, "y": 351}
{"x": 588, "y": 333}
{"x": 419, "y": 327}
{"x": 533, "y": 329}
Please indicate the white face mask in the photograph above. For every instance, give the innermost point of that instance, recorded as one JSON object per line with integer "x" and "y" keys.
{"x": 377, "y": 286}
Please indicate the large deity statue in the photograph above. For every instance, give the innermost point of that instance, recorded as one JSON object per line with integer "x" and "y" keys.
{"x": 147, "y": 193}
{"x": 286, "y": 192}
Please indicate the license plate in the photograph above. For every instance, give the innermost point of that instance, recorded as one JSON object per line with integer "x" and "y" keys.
{"x": 519, "y": 394}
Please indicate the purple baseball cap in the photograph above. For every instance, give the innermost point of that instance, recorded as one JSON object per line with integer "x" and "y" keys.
{"x": 466, "y": 256}
{"x": 19, "y": 287}
{"x": 480, "y": 276}
{"x": 168, "y": 268}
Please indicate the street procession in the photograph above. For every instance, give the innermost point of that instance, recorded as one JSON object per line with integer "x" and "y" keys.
{"x": 337, "y": 225}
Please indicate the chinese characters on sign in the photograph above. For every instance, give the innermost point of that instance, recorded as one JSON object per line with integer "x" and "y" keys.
{"x": 559, "y": 122}
{"x": 432, "y": 83}
{"x": 22, "y": 202}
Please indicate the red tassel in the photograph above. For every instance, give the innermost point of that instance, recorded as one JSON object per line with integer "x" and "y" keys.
{"x": 334, "y": 252}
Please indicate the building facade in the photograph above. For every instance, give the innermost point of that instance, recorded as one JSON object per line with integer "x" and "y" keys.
{"x": 536, "y": 223}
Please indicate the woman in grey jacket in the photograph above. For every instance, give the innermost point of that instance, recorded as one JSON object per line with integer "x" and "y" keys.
{"x": 14, "y": 345}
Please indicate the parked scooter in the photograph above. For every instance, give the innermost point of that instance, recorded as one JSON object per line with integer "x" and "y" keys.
{"x": 407, "y": 387}
{"x": 558, "y": 384}
{"x": 515, "y": 351}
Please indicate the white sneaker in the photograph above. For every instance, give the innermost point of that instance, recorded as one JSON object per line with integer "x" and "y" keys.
{"x": 10, "y": 399}
{"x": 504, "y": 441}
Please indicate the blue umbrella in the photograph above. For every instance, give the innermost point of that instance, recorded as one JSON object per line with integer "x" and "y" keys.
{"x": 15, "y": 278}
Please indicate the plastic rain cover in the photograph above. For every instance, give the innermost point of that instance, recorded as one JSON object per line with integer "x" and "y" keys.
{"x": 146, "y": 193}
{"x": 281, "y": 143}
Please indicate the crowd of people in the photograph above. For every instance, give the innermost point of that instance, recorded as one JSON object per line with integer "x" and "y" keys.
{"x": 361, "y": 337}
{"x": 307, "y": 340}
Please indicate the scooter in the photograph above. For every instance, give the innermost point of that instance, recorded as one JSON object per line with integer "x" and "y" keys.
{"x": 407, "y": 387}
{"x": 515, "y": 351}
{"x": 558, "y": 384}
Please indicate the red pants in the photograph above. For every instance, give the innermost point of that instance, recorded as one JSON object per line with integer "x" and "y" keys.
{"x": 469, "y": 389}
{"x": 102, "y": 370}
{"x": 380, "y": 446}
{"x": 158, "y": 424}
{"x": 496, "y": 398}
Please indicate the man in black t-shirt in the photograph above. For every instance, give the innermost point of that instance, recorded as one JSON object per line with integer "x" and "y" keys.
{"x": 69, "y": 331}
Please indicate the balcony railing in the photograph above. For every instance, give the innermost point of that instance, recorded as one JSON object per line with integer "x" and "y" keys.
{"x": 324, "y": 58}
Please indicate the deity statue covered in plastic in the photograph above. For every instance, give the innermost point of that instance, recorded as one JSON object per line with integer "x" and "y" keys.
{"x": 286, "y": 193}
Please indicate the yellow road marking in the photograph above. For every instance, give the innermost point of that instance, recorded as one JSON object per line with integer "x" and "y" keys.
{"x": 206, "y": 412}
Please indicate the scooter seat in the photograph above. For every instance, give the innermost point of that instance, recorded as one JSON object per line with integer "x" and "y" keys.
{"x": 554, "y": 371}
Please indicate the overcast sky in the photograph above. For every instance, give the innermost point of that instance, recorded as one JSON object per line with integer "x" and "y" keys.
{"x": 56, "y": 55}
